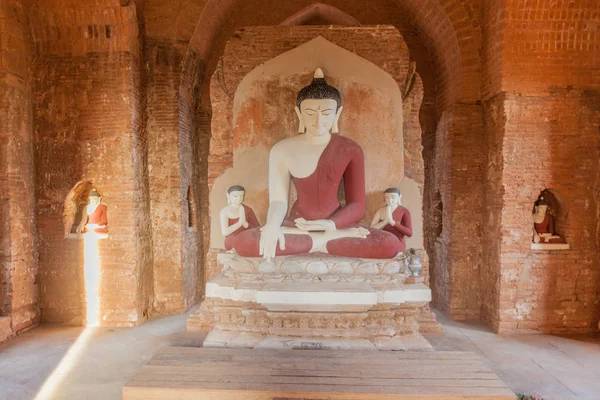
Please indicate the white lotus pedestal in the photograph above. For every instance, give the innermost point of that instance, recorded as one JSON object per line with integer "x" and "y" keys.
{"x": 315, "y": 301}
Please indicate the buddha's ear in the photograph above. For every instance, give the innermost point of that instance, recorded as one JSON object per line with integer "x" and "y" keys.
{"x": 301, "y": 127}
{"x": 335, "y": 128}
{"x": 228, "y": 198}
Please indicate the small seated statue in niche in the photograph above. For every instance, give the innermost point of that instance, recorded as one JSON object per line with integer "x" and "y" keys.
{"x": 95, "y": 215}
{"x": 543, "y": 224}
{"x": 393, "y": 217}
{"x": 236, "y": 217}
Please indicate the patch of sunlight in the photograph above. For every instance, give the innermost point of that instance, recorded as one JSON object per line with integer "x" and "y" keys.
{"x": 91, "y": 270}
{"x": 62, "y": 370}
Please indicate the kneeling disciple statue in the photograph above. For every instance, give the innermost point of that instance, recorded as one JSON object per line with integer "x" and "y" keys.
{"x": 236, "y": 217}
{"x": 317, "y": 161}
{"x": 393, "y": 217}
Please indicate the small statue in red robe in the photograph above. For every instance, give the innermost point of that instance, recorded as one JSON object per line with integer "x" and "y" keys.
{"x": 236, "y": 217}
{"x": 543, "y": 224}
{"x": 95, "y": 218}
{"x": 393, "y": 217}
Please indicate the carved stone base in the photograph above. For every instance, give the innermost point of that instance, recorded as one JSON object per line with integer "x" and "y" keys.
{"x": 227, "y": 339}
{"x": 252, "y": 318}
{"x": 315, "y": 300}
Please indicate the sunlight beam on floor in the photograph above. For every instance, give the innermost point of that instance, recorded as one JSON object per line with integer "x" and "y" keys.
{"x": 62, "y": 370}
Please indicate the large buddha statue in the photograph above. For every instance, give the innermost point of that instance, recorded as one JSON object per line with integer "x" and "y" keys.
{"x": 317, "y": 161}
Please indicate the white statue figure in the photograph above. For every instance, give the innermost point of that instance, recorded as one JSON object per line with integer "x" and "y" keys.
{"x": 317, "y": 161}
{"x": 393, "y": 217}
{"x": 236, "y": 217}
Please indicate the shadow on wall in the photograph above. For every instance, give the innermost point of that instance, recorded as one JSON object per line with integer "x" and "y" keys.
{"x": 192, "y": 213}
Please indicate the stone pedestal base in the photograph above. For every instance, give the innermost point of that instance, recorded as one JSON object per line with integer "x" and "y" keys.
{"x": 550, "y": 246}
{"x": 314, "y": 301}
{"x": 227, "y": 339}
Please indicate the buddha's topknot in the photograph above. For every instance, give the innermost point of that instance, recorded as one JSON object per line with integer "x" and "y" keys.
{"x": 319, "y": 90}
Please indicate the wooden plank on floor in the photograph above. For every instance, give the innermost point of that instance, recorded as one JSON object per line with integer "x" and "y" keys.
{"x": 244, "y": 374}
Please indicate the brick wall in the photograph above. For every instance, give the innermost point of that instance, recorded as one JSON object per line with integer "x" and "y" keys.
{"x": 551, "y": 142}
{"x": 542, "y": 117}
{"x": 18, "y": 239}
{"x": 93, "y": 93}
{"x": 194, "y": 130}
{"x": 164, "y": 61}
{"x": 87, "y": 121}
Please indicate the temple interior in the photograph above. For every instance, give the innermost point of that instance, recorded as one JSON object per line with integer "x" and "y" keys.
{"x": 127, "y": 126}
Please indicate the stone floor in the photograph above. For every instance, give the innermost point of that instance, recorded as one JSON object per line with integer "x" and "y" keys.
{"x": 52, "y": 362}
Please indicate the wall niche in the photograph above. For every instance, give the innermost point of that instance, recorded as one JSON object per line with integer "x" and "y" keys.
{"x": 84, "y": 211}
{"x": 545, "y": 213}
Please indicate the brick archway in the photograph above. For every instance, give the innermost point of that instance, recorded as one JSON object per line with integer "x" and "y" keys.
{"x": 444, "y": 40}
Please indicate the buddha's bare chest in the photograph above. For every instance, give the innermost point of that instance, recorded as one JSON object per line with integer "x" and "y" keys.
{"x": 303, "y": 160}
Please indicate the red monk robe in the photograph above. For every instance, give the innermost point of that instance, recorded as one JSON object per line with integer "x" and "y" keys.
{"x": 547, "y": 226}
{"x": 317, "y": 199}
{"x": 230, "y": 240}
{"x": 99, "y": 217}
{"x": 402, "y": 226}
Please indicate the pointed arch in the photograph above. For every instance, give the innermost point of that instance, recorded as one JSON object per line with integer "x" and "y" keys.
{"x": 330, "y": 14}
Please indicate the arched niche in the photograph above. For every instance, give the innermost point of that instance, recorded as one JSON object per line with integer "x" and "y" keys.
{"x": 551, "y": 223}
{"x": 263, "y": 114}
{"x": 75, "y": 214}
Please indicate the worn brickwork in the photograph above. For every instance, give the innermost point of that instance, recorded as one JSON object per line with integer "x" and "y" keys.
{"x": 164, "y": 70}
{"x": 194, "y": 137}
{"x": 542, "y": 121}
{"x": 550, "y": 291}
{"x": 19, "y": 307}
{"x": 117, "y": 92}
{"x": 87, "y": 122}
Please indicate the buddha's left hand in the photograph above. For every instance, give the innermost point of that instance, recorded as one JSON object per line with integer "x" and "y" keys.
{"x": 315, "y": 225}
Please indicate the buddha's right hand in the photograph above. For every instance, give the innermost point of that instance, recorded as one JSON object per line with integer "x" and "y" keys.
{"x": 269, "y": 237}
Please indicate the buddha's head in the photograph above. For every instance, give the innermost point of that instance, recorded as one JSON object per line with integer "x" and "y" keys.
{"x": 94, "y": 198}
{"x": 235, "y": 195}
{"x": 393, "y": 197}
{"x": 541, "y": 206}
{"x": 318, "y": 107}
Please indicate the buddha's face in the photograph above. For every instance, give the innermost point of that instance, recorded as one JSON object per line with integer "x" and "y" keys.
{"x": 318, "y": 116}
{"x": 94, "y": 200}
{"x": 236, "y": 197}
{"x": 541, "y": 209}
{"x": 392, "y": 199}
